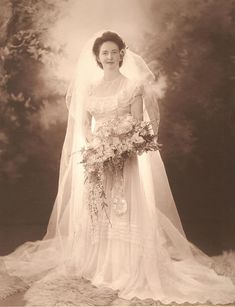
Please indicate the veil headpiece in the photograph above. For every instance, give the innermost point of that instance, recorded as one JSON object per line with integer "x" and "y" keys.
{"x": 87, "y": 72}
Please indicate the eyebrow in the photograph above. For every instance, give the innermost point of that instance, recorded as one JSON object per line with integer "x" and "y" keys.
{"x": 111, "y": 50}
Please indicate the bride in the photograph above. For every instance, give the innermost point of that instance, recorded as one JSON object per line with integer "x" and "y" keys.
{"x": 136, "y": 244}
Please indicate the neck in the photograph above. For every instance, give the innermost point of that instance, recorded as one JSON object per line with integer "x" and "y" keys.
{"x": 111, "y": 75}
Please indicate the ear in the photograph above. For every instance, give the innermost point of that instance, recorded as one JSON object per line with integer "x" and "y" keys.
{"x": 122, "y": 53}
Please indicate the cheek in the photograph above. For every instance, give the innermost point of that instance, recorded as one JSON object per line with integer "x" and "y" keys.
{"x": 101, "y": 58}
{"x": 118, "y": 57}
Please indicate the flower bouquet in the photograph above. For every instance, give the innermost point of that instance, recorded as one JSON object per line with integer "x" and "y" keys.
{"x": 112, "y": 144}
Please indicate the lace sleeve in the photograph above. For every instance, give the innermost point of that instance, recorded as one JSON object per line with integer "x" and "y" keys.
{"x": 129, "y": 95}
{"x": 138, "y": 91}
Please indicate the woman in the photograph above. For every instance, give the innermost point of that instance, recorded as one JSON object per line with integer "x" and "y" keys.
{"x": 131, "y": 241}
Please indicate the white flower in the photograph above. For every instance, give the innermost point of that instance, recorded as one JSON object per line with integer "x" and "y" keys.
{"x": 125, "y": 147}
{"x": 100, "y": 150}
{"x": 143, "y": 124}
{"x": 115, "y": 141}
{"x": 95, "y": 143}
{"x": 129, "y": 144}
{"x": 108, "y": 152}
{"x": 136, "y": 138}
{"x": 125, "y": 126}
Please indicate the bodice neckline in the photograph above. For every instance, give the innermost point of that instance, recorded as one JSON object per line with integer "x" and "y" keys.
{"x": 120, "y": 76}
{"x": 93, "y": 96}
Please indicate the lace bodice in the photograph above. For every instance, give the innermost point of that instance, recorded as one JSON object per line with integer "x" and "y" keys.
{"x": 108, "y": 99}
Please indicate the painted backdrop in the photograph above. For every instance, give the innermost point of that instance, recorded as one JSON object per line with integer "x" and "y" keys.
{"x": 188, "y": 42}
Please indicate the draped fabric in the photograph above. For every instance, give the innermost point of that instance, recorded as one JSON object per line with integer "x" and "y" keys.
{"x": 143, "y": 252}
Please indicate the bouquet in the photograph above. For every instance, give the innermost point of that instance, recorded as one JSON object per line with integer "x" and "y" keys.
{"x": 112, "y": 144}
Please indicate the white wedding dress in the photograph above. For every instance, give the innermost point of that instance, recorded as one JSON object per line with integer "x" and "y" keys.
{"x": 138, "y": 251}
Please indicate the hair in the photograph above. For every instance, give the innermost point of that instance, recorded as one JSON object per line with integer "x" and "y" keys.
{"x": 108, "y": 37}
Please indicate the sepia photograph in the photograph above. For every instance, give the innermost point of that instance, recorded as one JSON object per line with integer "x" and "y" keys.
{"x": 117, "y": 146}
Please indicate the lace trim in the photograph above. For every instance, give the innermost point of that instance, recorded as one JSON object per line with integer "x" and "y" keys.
{"x": 111, "y": 103}
{"x": 129, "y": 233}
{"x": 120, "y": 231}
{"x": 76, "y": 291}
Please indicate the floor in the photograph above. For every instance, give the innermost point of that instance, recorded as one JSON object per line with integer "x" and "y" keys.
{"x": 13, "y": 235}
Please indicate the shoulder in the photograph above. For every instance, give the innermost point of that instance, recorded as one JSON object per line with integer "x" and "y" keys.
{"x": 134, "y": 88}
{"x": 130, "y": 91}
{"x": 91, "y": 87}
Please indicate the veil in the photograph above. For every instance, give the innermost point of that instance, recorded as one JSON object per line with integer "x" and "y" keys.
{"x": 86, "y": 73}
{"x": 33, "y": 260}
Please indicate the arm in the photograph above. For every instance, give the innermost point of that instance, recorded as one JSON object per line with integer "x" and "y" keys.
{"x": 137, "y": 107}
{"x": 154, "y": 116}
{"x": 151, "y": 103}
{"x": 87, "y": 126}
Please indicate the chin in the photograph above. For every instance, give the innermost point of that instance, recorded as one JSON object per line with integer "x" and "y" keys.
{"x": 111, "y": 68}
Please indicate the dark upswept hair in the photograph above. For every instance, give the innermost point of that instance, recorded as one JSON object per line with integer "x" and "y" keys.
{"x": 108, "y": 37}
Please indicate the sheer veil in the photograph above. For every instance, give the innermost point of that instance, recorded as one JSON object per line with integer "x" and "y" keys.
{"x": 87, "y": 71}
{"x": 33, "y": 260}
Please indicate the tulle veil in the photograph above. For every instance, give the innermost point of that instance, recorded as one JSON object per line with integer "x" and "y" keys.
{"x": 34, "y": 260}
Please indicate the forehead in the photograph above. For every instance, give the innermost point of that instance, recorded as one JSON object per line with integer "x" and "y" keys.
{"x": 109, "y": 46}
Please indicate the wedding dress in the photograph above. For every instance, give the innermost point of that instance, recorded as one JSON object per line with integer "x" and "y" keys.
{"x": 141, "y": 249}
{"x": 135, "y": 253}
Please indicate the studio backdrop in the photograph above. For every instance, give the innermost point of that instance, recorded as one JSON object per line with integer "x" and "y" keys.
{"x": 187, "y": 44}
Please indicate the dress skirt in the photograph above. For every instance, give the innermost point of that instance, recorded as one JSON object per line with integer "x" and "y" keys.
{"x": 135, "y": 248}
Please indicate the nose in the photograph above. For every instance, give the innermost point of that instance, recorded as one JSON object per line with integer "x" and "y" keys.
{"x": 110, "y": 56}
